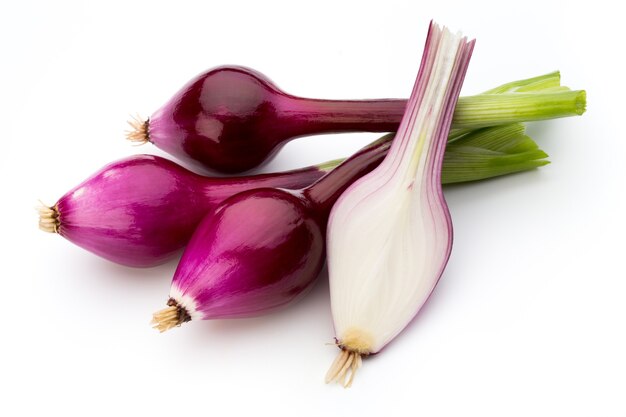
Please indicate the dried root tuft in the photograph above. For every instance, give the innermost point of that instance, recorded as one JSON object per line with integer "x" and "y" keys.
{"x": 347, "y": 362}
{"x": 48, "y": 218}
{"x": 172, "y": 316}
{"x": 139, "y": 133}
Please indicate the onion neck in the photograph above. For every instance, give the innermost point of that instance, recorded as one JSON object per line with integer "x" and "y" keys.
{"x": 218, "y": 189}
{"x": 311, "y": 116}
{"x": 323, "y": 193}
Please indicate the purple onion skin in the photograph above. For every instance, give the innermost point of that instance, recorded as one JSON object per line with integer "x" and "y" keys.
{"x": 264, "y": 248}
{"x": 257, "y": 251}
{"x": 140, "y": 211}
{"x": 232, "y": 119}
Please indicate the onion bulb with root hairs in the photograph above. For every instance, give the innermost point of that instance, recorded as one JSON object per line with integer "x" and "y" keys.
{"x": 390, "y": 234}
{"x": 232, "y": 119}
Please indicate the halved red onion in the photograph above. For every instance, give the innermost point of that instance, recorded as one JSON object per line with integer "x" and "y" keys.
{"x": 390, "y": 234}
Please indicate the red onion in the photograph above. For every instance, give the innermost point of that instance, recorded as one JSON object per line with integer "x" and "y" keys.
{"x": 141, "y": 210}
{"x": 260, "y": 249}
{"x": 390, "y": 234}
{"x": 232, "y": 119}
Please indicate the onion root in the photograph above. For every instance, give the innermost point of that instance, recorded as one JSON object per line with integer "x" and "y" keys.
{"x": 48, "y": 218}
{"x": 347, "y": 362}
{"x": 139, "y": 133}
{"x": 171, "y": 316}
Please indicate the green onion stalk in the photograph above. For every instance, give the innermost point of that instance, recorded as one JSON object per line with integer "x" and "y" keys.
{"x": 488, "y": 138}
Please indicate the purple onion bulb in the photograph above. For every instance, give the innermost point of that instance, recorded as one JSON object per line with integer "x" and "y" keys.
{"x": 260, "y": 249}
{"x": 232, "y": 119}
{"x": 140, "y": 211}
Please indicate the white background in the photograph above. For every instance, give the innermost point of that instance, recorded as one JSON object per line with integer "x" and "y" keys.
{"x": 529, "y": 318}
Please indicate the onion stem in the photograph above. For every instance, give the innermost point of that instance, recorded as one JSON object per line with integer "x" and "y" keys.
{"x": 494, "y": 109}
{"x": 541, "y": 82}
{"x": 490, "y": 152}
{"x": 480, "y": 154}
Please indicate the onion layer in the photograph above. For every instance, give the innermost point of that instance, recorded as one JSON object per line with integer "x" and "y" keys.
{"x": 390, "y": 234}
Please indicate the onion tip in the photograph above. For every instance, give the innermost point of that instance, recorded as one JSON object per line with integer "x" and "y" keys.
{"x": 139, "y": 133}
{"x": 48, "y": 218}
{"x": 172, "y": 316}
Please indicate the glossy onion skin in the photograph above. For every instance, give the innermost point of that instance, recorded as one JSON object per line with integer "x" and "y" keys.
{"x": 262, "y": 249}
{"x": 240, "y": 265}
{"x": 140, "y": 211}
{"x": 232, "y": 119}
